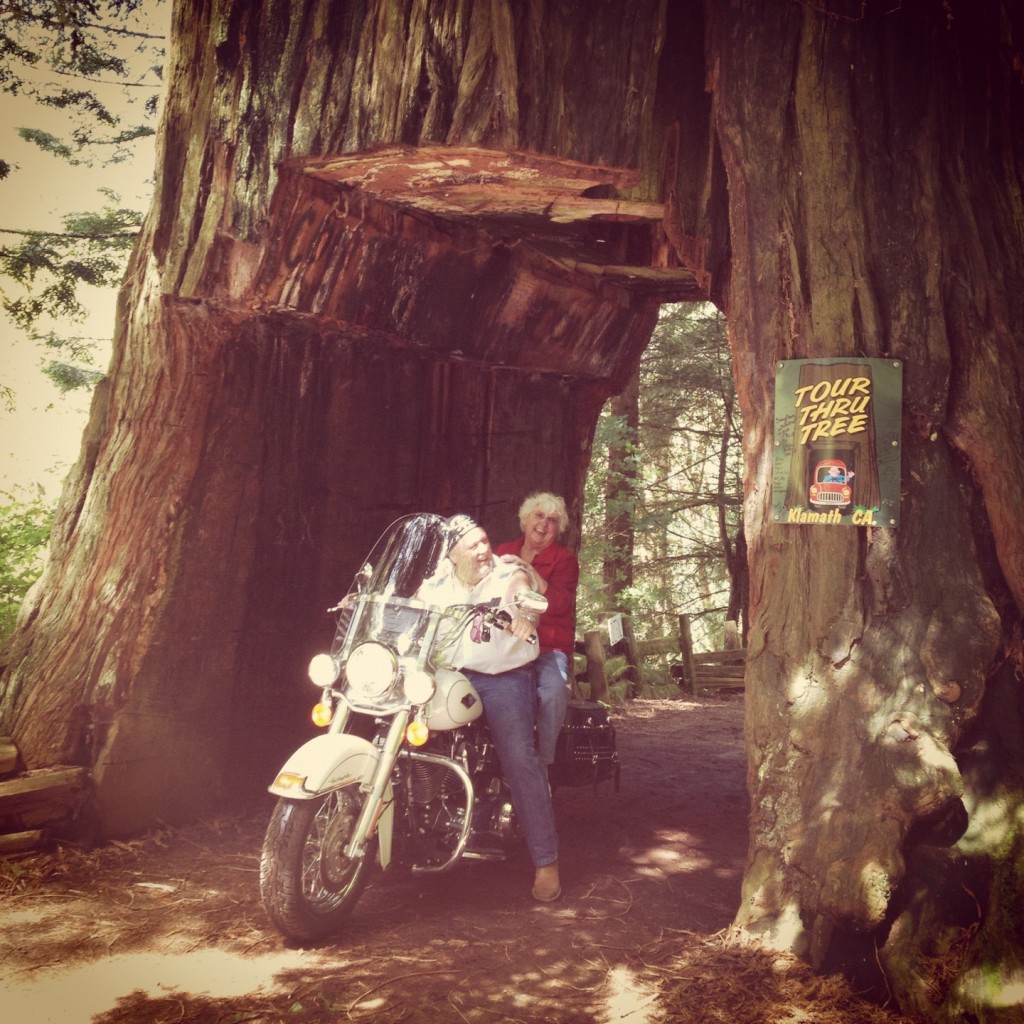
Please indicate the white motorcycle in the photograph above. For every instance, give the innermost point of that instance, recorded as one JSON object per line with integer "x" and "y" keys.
{"x": 406, "y": 772}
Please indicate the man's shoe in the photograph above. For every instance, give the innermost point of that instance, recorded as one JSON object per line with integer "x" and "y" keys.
{"x": 545, "y": 883}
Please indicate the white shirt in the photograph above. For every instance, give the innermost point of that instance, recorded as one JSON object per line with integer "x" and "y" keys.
{"x": 482, "y": 648}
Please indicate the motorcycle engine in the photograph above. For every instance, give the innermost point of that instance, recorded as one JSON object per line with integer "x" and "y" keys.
{"x": 437, "y": 797}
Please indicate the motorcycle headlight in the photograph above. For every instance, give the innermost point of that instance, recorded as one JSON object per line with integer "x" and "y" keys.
{"x": 371, "y": 669}
{"x": 323, "y": 671}
{"x": 418, "y": 686}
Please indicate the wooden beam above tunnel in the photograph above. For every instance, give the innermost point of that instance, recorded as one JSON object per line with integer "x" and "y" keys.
{"x": 570, "y": 213}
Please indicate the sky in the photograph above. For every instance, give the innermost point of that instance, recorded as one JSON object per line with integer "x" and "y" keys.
{"x": 41, "y": 435}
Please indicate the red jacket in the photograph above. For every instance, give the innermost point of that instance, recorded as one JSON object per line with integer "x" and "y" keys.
{"x": 560, "y": 569}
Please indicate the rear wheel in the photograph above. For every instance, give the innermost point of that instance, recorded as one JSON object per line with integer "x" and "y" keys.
{"x": 307, "y": 884}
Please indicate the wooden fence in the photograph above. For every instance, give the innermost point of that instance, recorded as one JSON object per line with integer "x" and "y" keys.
{"x": 694, "y": 670}
{"x": 36, "y": 804}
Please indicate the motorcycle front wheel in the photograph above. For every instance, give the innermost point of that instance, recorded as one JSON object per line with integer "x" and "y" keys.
{"x": 307, "y": 884}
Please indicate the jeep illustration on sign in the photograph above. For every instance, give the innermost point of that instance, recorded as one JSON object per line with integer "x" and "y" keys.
{"x": 831, "y": 485}
{"x": 837, "y": 442}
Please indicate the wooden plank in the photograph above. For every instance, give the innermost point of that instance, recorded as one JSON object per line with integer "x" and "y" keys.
{"x": 670, "y": 645}
{"x": 21, "y": 842}
{"x": 60, "y": 787}
{"x": 726, "y": 671}
{"x": 659, "y": 645}
{"x": 8, "y": 755}
{"x": 593, "y": 642}
{"x": 632, "y": 657}
{"x": 732, "y": 635}
{"x": 719, "y": 657}
{"x": 705, "y": 682}
{"x": 686, "y": 652}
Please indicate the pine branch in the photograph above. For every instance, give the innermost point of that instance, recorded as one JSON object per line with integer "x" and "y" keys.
{"x": 107, "y": 81}
{"x": 86, "y": 236}
{"x": 21, "y": 15}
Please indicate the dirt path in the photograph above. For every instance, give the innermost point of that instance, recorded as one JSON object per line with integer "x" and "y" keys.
{"x": 169, "y": 928}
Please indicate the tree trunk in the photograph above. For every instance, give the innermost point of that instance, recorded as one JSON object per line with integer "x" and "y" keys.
{"x": 315, "y": 340}
{"x": 620, "y": 496}
{"x": 874, "y": 178}
{"x": 735, "y": 550}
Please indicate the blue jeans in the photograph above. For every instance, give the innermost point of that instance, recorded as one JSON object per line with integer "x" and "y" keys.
{"x": 552, "y": 668}
{"x": 508, "y": 700}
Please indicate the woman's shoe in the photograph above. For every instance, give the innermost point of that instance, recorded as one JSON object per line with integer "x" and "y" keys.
{"x": 545, "y": 883}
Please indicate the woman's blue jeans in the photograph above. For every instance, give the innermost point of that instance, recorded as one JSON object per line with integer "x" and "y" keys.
{"x": 509, "y": 700}
{"x": 552, "y": 669}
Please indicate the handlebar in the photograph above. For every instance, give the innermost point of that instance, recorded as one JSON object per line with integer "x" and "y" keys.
{"x": 503, "y": 619}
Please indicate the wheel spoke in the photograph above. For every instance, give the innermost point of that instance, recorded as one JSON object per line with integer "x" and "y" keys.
{"x": 322, "y": 857}
{"x": 307, "y": 883}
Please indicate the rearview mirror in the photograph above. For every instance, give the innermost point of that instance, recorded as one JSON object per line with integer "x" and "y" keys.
{"x": 531, "y": 601}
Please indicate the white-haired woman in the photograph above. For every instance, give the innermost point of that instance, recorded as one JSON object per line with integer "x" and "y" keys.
{"x": 543, "y": 519}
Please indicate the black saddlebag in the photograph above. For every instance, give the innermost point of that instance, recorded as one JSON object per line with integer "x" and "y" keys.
{"x": 585, "y": 753}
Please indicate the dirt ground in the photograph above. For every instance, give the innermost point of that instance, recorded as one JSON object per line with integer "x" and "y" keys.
{"x": 169, "y": 928}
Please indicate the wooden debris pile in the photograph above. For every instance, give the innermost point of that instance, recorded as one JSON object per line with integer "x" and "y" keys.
{"x": 39, "y": 804}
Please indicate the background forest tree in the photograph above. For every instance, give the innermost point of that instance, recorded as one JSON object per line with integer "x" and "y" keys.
{"x": 669, "y": 474}
{"x": 80, "y": 82}
{"x": 516, "y": 190}
{"x": 78, "y": 92}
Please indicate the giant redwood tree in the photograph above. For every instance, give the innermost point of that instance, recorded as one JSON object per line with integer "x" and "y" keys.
{"x": 400, "y": 253}
{"x": 874, "y": 168}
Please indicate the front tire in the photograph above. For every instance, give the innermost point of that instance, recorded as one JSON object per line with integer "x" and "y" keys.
{"x": 307, "y": 884}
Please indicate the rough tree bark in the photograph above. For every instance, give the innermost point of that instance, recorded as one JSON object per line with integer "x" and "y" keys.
{"x": 318, "y": 333}
{"x": 874, "y": 165}
{"x": 311, "y": 345}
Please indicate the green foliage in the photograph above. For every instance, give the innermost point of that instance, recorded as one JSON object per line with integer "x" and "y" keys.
{"x": 43, "y": 43}
{"x": 685, "y": 501}
{"x": 47, "y": 142}
{"x": 121, "y": 141}
{"x": 47, "y": 269}
{"x": 91, "y": 62}
{"x": 68, "y": 377}
{"x": 24, "y": 534}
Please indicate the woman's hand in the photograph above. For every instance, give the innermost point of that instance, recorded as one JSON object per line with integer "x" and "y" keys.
{"x": 537, "y": 582}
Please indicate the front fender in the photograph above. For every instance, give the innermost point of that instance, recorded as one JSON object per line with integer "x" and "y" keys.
{"x": 328, "y": 762}
{"x": 325, "y": 762}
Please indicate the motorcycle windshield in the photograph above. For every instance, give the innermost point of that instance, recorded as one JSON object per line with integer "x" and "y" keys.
{"x": 382, "y": 605}
{"x": 409, "y": 551}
